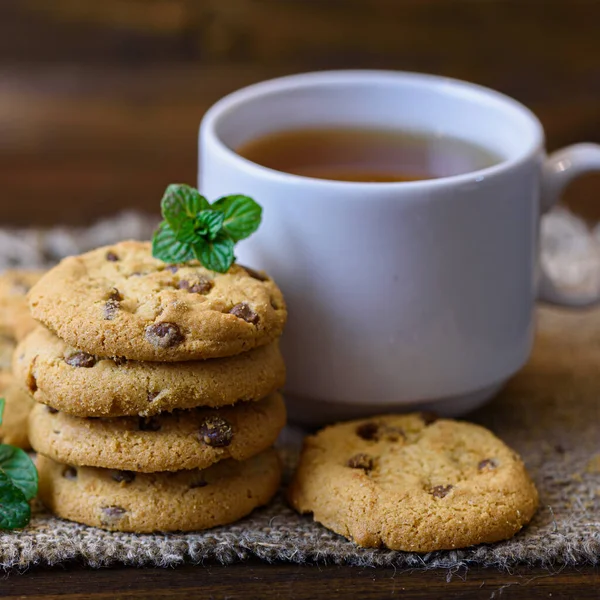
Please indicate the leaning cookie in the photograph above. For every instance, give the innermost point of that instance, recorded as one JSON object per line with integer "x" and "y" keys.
{"x": 120, "y": 301}
{"x": 410, "y": 484}
{"x": 17, "y": 406}
{"x": 148, "y": 502}
{"x": 7, "y": 347}
{"x": 15, "y": 319}
{"x": 89, "y": 386}
{"x": 192, "y": 439}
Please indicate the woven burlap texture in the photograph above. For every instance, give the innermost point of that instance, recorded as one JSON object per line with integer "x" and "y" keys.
{"x": 550, "y": 413}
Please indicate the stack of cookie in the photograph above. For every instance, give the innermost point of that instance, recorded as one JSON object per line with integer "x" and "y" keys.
{"x": 157, "y": 390}
{"x": 15, "y": 324}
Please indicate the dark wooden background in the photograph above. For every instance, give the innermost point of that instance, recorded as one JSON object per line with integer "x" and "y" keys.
{"x": 100, "y": 101}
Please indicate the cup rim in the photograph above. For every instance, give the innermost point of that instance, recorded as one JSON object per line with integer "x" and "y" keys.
{"x": 230, "y": 102}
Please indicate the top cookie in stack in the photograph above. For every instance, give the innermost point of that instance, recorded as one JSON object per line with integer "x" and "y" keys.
{"x": 120, "y": 301}
{"x": 191, "y": 353}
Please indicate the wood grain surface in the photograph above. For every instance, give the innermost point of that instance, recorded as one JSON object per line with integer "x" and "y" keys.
{"x": 247, "y": 581}
{"x": 100, "y": 101}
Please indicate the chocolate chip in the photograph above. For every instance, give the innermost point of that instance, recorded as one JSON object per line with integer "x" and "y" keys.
{"x": 243, "y": 311}
{"x": 51, "y": 410}
{"x": 119, "y": 360}
{"x": 487, "y": 464}
{"x": 81, "y": 359}
{"x": 559, "y": 449}
{"x": 111, "y": 308}
{"x": 111, "y": 256}
{"x": 441, "y": 491}
{"x": 70, "y": 473}
{"x": 152, "y": 396}
{"x": 429, "y": 417}
{"x": 255, "y": 274}
{"x": 111, "y": 514}
{"x": 202, "y": 286}
{"x": 371, "y": 431}
{"x": 123, "y": 476}
{"x": 393, "y": 434}
{"x": 368, "y": 431}
{"x": 172, "y": 268}
{"x": 148, "y": 424}
{"x": 31, "y": 382}
{"x": 360, "y": 461}
{"x": 116, "y": 295}
{"x": 112, "y": 305}
{"x": 216, "y": 432}
{"x": 198, "y": 484}
{"x": 164, "y": 335}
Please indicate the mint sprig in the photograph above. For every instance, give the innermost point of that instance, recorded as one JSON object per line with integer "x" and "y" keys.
{"x": 194, "y": 228}
{"x": 18, "y": 485}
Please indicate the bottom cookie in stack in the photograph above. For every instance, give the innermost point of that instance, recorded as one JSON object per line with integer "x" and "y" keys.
{"x": 165, "y": 501}
{"x": 180, "y": 471}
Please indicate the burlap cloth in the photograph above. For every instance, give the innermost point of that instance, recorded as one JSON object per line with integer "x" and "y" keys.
{"x": 550, "y": 413}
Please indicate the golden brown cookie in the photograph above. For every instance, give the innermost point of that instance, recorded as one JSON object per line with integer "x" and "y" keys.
{"x": 88, "y": 386}
{"x": 17, "y": 406}
{"x": 407, "y": 483}
{"x": 191, "y": 439}
{"x": 7, "y": 346}
{"x": 15, "y": 319}
{"x": 120, "y": 301}
{"x": 147, "y": 502}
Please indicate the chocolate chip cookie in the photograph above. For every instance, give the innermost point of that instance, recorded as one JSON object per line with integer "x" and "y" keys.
{"x": 148, "y": 502}
{"x": 15, "y": 320}
{"x": 85, "y": 385}
{"x": 119, "y": 301}
{"x": 7, "y": 346}
{"x": 17, "y": 406}
{"x": 192, "y": 439}
{"x": 413, "y": 483}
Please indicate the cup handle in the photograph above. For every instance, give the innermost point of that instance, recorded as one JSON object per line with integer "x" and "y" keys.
{"x": 559, "y": 169}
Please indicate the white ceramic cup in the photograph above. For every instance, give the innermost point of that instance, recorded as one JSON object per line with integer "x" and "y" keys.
{"x": 400, "y": 295}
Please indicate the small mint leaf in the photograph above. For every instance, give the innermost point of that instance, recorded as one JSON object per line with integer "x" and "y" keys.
{"x": 181, "y": 202}
{"x": 2, "y": 402}
{"x": 186, "y": 234}
{"x": 216, "y": 255}
{"x": 167, "y": 248}
{"x": 15, "y": 511}
{"x": 242, "y": 215}
{"x": 209, "y": 223}
{"x": 18, "y": 467}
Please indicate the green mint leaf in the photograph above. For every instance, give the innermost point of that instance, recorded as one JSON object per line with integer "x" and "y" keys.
{"x": 2, "y": 402}
{"x": 186, "y": 234}
{"x": 15, "y": 511}
{"x": 209, "y": 223}
{"x": 181, "y": 202}
{"x": 166, "y": 247}
{"x": 216, "y": 255}
{"x": 18, "y": 467}
{"x": 242, "y": 215}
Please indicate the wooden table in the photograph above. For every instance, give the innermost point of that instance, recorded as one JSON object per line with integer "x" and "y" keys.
{"x": 259, "y": 580}
{"x": 99, "y": 108}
